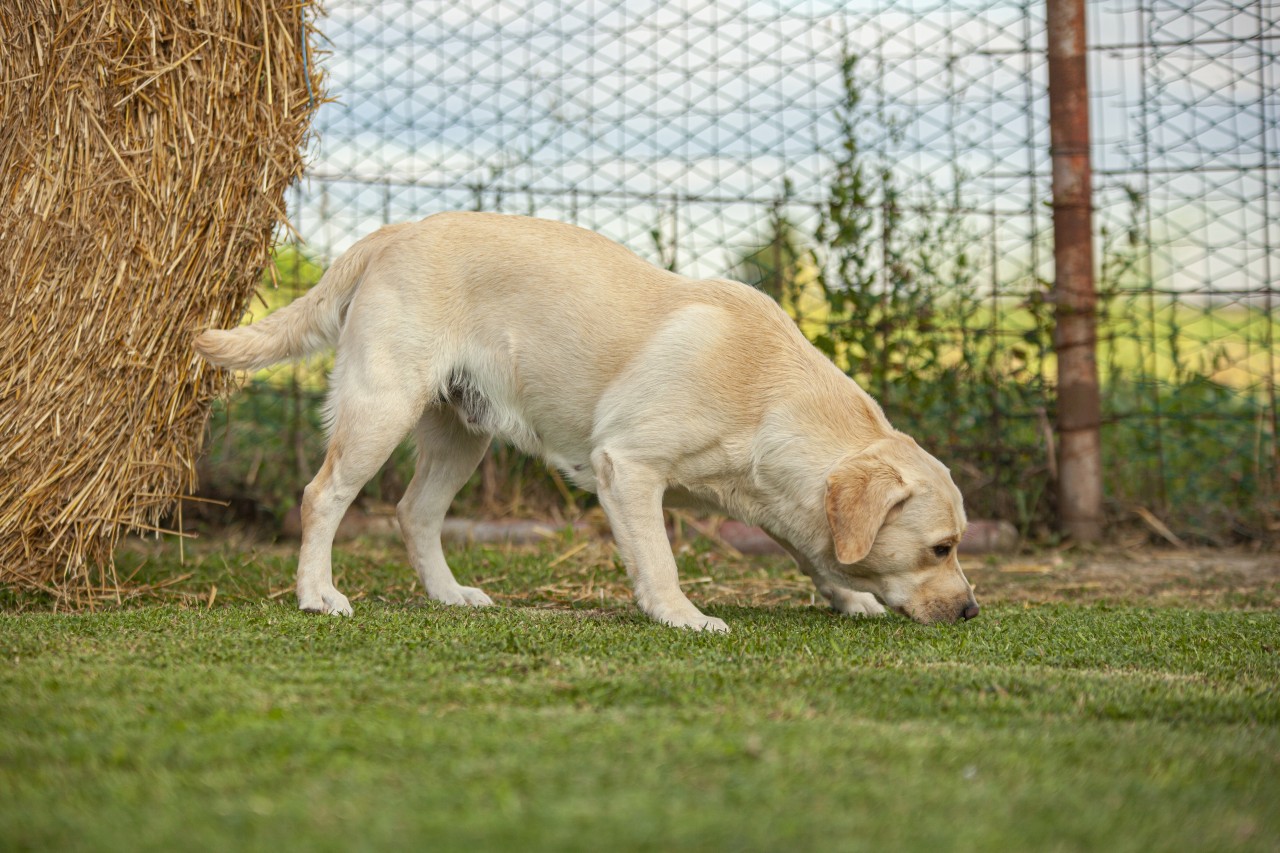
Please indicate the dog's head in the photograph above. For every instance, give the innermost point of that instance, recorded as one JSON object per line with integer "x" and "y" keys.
{"x": 896, "y": 519}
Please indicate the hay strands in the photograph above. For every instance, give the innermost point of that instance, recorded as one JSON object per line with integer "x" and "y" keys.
{"x": 146, "y": 154}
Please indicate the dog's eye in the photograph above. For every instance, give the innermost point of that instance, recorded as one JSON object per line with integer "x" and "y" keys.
{"x": 942, "y": 551}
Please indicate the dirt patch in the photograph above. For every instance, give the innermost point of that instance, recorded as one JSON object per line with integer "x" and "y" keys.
{"x": 584, "y": 572}
{"x": 1203, "y": 578}
{"x": 1207, "y": 578}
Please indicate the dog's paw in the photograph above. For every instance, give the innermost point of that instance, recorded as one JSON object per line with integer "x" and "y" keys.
{"x": 464, "y": 596}
{"x": 852, "y": 603}
{"x": 711, "y": 625}
{"x": 326, "y": 601}
{"x": 693, "y": 619}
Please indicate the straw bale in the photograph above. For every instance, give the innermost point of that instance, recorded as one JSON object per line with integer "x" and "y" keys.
{"x": 145, "y": 149}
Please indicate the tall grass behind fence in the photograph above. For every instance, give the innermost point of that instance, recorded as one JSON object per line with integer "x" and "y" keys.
{"x": 883, "y": 169}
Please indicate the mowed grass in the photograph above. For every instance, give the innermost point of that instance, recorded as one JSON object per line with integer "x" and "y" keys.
{"x": 567, "y": 721}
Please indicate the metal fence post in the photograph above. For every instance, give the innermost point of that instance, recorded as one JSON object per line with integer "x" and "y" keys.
{"x": 1075, "y": 331}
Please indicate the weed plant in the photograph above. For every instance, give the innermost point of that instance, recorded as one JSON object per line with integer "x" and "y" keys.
{"x": 889, "y": 288}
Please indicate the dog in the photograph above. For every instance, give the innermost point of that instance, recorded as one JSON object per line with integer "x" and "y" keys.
{"x": 641, "y": 385}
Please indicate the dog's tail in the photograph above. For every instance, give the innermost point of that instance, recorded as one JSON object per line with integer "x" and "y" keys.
{"x": 307, "y": 324}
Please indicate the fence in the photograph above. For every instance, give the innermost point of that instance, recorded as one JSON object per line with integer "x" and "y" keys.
{"x": 883, "y": 168}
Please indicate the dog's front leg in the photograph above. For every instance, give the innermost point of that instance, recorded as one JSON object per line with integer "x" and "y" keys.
{"x": 853, "y": 603}
{"x": 842, "y": 598}
{"x": 631, "y": 495}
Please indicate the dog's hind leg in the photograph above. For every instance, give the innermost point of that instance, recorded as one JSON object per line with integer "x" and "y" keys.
{"x": 447, "y": 454}
{"x": 368, "y": 424}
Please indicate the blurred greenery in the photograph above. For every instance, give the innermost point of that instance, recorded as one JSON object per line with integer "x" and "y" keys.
{"x": 892, "y": 292}
{"x": 1186, "y": 435}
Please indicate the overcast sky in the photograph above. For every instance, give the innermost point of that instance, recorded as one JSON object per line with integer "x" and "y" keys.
{"x": 687, "y": 116}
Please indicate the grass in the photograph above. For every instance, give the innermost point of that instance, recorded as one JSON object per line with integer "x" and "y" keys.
{"x": 563, "y": 720}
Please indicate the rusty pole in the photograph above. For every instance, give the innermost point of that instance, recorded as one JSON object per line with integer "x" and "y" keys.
{"x": 1075, "y": 329}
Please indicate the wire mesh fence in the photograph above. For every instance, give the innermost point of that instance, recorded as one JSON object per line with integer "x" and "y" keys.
{"x": 883, "y": 169}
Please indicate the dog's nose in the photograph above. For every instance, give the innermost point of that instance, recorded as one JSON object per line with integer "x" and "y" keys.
{"x": 970, "y": 611}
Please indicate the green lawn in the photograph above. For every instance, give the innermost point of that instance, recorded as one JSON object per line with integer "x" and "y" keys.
{"x": 248, "y": 725}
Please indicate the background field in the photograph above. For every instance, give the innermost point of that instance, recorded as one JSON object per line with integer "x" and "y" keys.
{"x": 1116, "y": 701}
{"x": 884, "y": 170}
{"x": 1186, "y": 434}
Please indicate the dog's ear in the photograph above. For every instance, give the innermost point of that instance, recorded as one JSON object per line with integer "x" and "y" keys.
{"x": 861, "y": 494}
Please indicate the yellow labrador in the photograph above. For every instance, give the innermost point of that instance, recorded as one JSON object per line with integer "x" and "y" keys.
{"x": 638, "y": 383}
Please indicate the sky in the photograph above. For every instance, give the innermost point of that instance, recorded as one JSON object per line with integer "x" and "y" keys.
{"x": 695, "y": 120}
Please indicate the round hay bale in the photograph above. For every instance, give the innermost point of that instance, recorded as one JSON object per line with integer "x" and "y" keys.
{"x": 145, "y": 152}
